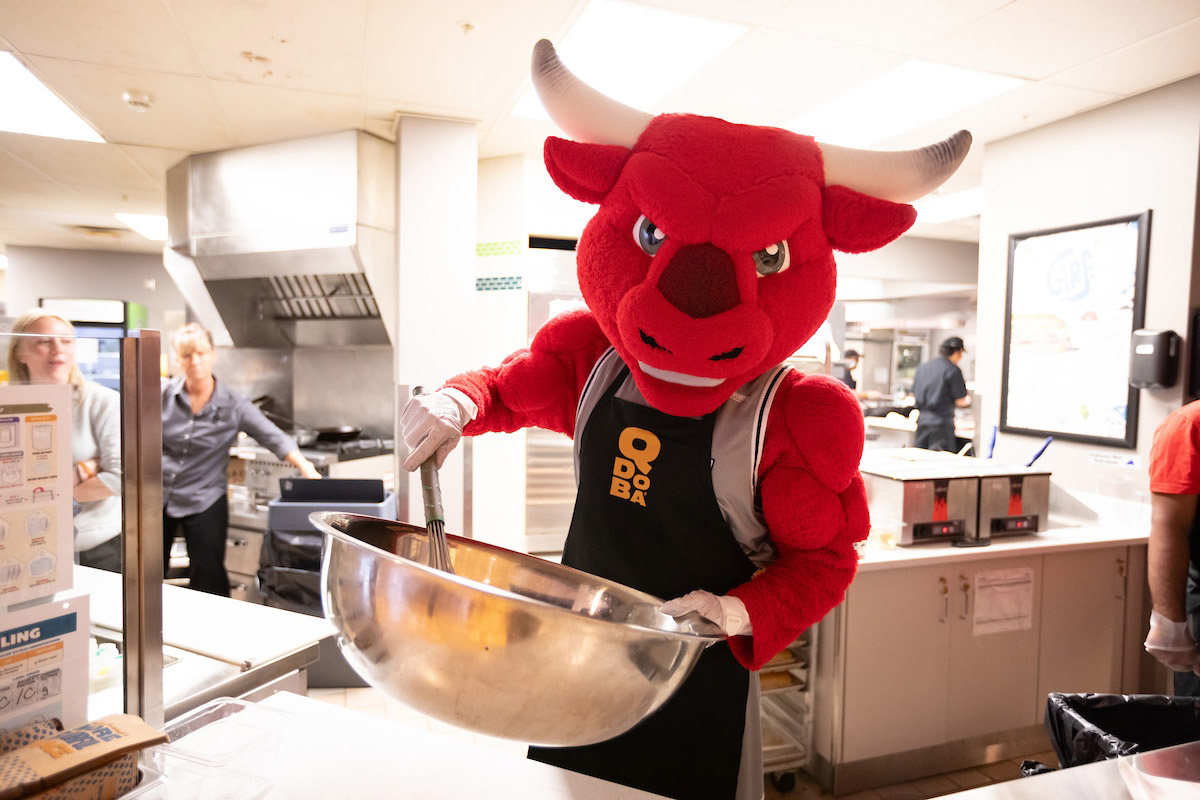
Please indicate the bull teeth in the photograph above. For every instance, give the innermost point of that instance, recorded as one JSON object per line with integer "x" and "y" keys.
{"x": 680, "y": 378}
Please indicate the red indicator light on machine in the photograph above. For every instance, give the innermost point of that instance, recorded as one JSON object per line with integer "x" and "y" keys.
{"x": 1021, "y": 524}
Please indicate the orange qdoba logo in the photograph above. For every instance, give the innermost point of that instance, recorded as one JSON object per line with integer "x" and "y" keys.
{"x": 631, "y": 469}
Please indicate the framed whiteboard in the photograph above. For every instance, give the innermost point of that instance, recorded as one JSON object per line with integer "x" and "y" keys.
{"x": 1075, "y": 295}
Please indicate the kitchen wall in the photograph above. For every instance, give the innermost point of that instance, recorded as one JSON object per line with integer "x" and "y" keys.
{"x": 1141, "y": 153}
{"x": 35, "y": 272}
{"x": 345, "y": 386}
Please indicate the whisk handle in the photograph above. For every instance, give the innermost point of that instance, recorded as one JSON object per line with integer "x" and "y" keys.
{"x": 431, "y": 488}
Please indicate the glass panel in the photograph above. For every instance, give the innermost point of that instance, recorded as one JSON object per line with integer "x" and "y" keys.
{"x": 61, "y": 483}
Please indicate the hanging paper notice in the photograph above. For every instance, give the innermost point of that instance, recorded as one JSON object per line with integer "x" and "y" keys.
{"x": 1003, "y": 601}
{"x": 44, "y": 662}
{"x": 36, "y": 531}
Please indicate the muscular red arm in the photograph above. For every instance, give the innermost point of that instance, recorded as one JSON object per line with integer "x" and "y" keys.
{"x": 815, "y": 508}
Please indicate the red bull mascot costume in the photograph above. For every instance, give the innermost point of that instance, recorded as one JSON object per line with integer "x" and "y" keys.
{"x": 707, "y": 471}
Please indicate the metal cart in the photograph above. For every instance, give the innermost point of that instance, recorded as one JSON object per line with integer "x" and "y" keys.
{"x": 786, "y": 712}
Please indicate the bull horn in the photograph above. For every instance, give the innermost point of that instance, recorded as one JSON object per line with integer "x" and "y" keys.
{"x": 899, "y": 175}
{"x": 579, "y": 110}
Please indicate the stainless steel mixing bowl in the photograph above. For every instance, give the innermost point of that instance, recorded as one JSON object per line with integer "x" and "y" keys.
{"x": 509, "y": 645}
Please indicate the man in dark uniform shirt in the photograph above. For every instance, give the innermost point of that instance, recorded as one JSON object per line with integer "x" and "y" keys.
{"x": 938, "y": 388}
{"x": 844, "y": 370}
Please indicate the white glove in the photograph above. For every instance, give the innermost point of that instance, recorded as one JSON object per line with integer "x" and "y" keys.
{"x": 432, "y": 424}
{"x": 726, "y": 611}
{"x": 1172, "y": 644}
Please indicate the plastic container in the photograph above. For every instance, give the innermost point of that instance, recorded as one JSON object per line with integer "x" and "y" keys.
{"x": 227, "y": 749}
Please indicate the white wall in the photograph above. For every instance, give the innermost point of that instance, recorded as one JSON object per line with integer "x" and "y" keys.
{"x": 35, "y": 272}
{"x": 1141, "y": 153}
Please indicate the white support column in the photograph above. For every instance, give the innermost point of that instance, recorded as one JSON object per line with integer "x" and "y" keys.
{"x": 436, "y": 185}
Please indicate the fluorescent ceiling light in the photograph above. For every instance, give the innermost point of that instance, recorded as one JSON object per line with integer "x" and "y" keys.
{"x": 912, "y": 94}
{"x": 635, "y": 54}
{"x": 151, "y": 226}
{"x": 27, "y": 106}
{"x": 943, "y": 208}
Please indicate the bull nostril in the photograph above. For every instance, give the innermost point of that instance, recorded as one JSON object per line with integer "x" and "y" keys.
{"x": 728, "y": 354}
{"x": 648, "y": 339}
{"x": 700, "y": 281}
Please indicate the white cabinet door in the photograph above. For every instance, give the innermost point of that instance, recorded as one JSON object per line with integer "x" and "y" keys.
{"x": 1083, "y": 609}
{"x": 993, "y": 646}
{"x": 897, "y": 624}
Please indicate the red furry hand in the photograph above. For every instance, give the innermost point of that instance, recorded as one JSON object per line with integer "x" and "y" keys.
{"x": 726, "y": 612}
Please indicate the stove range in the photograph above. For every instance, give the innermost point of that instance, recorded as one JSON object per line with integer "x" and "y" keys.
{"x": 355, "y": 448}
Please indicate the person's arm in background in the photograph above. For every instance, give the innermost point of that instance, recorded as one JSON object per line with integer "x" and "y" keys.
{"x": 297, "y": 460}
{"x": 1174, "y": 484}
{"x": 958, "y": 389}
{"x": 1171, "y": 518}
{"x": 100, "y": 477}
{"x": 268, "y": 434}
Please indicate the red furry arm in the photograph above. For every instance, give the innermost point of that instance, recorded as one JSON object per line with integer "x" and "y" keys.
{"x": 815, "y": 508}
{"x": 538, "y": 386}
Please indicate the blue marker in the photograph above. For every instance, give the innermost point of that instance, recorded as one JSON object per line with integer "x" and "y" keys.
{"x": 992, "y": 444}
{"x": 1041, "y": 450}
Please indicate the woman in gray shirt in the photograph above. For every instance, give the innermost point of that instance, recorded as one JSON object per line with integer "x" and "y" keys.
{"x": 46, "y": 354}
{"x": 201, "y": 420}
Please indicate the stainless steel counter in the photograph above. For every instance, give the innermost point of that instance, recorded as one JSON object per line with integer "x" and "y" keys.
{"x": 1173, "y": 772}
{"x": 224, "y": 647}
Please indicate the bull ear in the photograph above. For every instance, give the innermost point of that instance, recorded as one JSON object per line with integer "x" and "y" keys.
{"x": 585, "y": 171}
{"x": 856, "y": 223}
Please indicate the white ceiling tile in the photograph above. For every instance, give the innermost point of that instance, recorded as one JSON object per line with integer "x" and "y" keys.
{"x": 261, "y": 114}
{"x": 39, "y": 196}
{"x": 85, "y": 163}
{"x": 295, "y": 44}
{"x": 42, "y": 229}
{"x": 767, "y": 78}
{"x": 138, "y": 34}
{"x": 417, "y": 53}
{"x": 513, "y": 135}
{"x": 1038, "y": 38}
{"x": 902, "y": 27}
{"x": 107, "y": 201}
{"x": 746, "y": 12}
{"x": 1152, "y": 62}
{"x": 1022, "y": 109}
{"x": 11, "y": 166}
{"x": 155, "y": 161}
{"x": 184, "y": 114}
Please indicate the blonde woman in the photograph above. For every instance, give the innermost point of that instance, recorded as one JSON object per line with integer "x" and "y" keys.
{"x": 201, "y": 420}
{"x": 45, "y": 353}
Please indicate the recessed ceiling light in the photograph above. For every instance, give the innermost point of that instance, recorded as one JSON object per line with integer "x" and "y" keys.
{"x": 634, "y": 53}
{"x": 27, "y": 106}
{"x": 912, "y": 94}
{"x": 944, "y": 208}
{"x": 151, "y": 226}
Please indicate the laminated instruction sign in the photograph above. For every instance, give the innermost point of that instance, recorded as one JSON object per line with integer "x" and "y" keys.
{"x": 44, "y": 662}
{"x": 36, "y": 531}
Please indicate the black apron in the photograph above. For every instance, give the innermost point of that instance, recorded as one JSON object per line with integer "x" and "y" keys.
{"x": 646, "y": 516}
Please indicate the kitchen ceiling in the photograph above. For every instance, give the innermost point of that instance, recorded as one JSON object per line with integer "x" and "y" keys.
{"x": 228, "y": 73}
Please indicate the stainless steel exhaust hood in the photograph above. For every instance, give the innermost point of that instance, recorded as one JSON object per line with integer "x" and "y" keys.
{"x": 294, "y": 241}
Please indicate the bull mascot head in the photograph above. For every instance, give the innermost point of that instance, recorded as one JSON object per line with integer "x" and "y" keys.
{"x": 710, "y": 258}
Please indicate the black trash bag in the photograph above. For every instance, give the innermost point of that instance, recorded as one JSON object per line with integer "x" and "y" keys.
{"x": 1029, "y": 767}
{"x": 1085, "y": 728}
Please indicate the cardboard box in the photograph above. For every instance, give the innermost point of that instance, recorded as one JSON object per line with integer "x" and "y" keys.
{"x": 97, "y": 761}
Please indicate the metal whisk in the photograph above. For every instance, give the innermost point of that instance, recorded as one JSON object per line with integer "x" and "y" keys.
{"x": 435, "y": 521}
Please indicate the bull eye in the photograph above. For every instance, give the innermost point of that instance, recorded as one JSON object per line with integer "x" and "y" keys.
{"x": 648, "y": 235}
{"x": 772, "y": 260}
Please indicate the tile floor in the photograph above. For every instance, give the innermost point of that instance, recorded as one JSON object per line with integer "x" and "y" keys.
{"x": 372, "y": 701}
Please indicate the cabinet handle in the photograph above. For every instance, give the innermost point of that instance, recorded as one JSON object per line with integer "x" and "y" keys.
{"x": 945, "y": 590}
{"x": 966, "y": 590}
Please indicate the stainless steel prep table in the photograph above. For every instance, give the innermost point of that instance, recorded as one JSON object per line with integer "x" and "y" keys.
{"x": 224, "y": 647}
